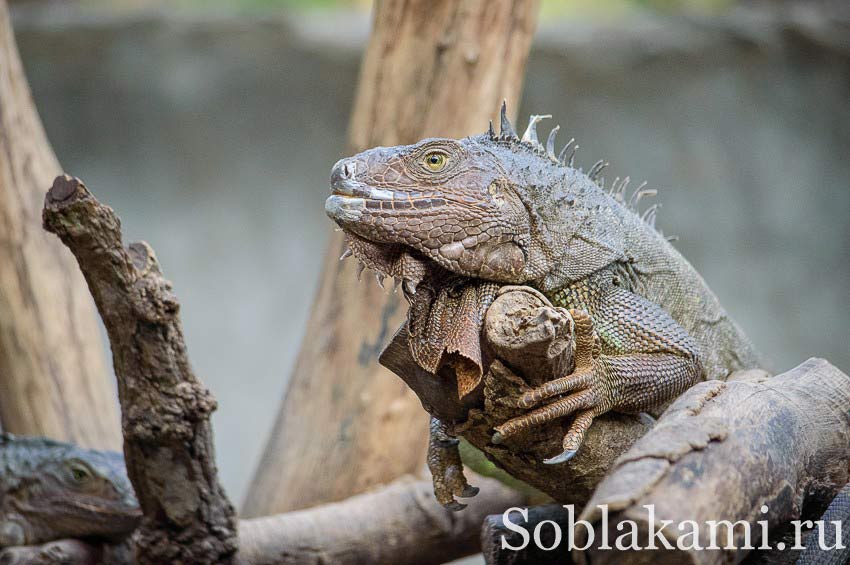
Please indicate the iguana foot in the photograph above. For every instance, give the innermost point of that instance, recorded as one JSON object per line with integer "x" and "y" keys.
{"x": 446, "y": 468}
{"x": 590, "y": 394}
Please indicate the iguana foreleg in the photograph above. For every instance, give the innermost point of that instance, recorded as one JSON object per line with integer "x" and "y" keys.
{"x": 446, "y": 468}
{"x": 629, "y": 356}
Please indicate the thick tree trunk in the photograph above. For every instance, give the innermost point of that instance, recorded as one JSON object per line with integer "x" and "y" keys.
{"x": 346, "y": 424}
{"x": 53, "y": 380}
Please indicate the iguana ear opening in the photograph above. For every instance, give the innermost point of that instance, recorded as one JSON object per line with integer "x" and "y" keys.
{"x": 504, "y": 262}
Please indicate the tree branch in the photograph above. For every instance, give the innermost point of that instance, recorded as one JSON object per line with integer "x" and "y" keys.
{"x": 167, "y": 435}
{"x": 399, "y": 523}
{"x": 722, "y": 451}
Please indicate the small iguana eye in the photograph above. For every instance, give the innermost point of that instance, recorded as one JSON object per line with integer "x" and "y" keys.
{"x": 80, "y": 473}
{"x": 435, "y": 161}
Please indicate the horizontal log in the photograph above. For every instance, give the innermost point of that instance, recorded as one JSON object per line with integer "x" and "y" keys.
{"x": 398, "y": 523}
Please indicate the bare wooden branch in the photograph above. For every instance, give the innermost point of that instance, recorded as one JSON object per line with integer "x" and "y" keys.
{"x": 399, "y": 523}
{"x": 723, "y": 451}
{"x": 431, "y": 68}
{"x": 167, "y": 435}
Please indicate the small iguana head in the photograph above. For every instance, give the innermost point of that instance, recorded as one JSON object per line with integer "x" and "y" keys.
{"x": 60, "y": 490}
{"x": 485, "y": 206}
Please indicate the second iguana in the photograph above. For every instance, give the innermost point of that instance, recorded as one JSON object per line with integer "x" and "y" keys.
{"x": 51, "y": 490}
{"x": 508, "y": 210}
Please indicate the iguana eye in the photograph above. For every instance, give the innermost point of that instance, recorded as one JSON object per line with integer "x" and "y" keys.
{"x": 80, "y": 473}
{"x": 435, "y": 161}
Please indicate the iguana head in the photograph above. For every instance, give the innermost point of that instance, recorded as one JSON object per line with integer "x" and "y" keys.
{"x": 496, "y": 207}
{"x": 55, "y": 490}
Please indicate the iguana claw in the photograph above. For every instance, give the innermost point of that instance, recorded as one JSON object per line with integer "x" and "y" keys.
{"x": 469, "y": 491}
{"x": 447, "y": 469}
{"x": 562, "y": 458}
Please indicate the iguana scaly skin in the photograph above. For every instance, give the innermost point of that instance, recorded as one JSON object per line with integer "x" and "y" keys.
{"x": 505, "y": 209}
{"x": 51, "y": 490}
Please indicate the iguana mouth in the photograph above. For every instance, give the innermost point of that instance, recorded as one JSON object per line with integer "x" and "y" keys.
{"x": 347, "y": 203}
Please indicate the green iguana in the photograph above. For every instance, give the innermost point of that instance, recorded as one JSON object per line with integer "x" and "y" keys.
{"x": 505, "y": 209}
{"x": 51, "y": 490}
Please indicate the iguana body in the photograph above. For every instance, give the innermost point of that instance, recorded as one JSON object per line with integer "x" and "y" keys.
{"x": 51, "y": 490}
{"x": 504, "y": 209}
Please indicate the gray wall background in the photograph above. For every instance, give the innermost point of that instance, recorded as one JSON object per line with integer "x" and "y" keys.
{"x": 213, "y": 138}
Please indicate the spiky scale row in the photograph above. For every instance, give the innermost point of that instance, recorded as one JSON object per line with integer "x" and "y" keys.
{"x": 597, "y": 168}
{"x": 530, "y": 135}
{"x": 530, "y": 139}
{"x": 506, "y": 130}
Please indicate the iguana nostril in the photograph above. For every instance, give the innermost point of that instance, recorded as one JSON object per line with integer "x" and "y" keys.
{"x": 343, "y": 170}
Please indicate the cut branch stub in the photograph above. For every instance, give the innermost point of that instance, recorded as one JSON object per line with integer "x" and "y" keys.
{"x": 530, "y": 335}
{"x": 167, "y": 435}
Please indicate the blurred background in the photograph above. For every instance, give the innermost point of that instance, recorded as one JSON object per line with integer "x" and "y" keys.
{"x": 211, "y": 126}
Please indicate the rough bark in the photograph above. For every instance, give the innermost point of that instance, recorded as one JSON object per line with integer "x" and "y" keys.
{"x": 345, "y": 425}
{"x": 52, "y": 375}
{"x": 724, "y": 450}
{"x": 168, "y": 443}
{"x": 532, "y": 344}
{"x": 399, "y": 523}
